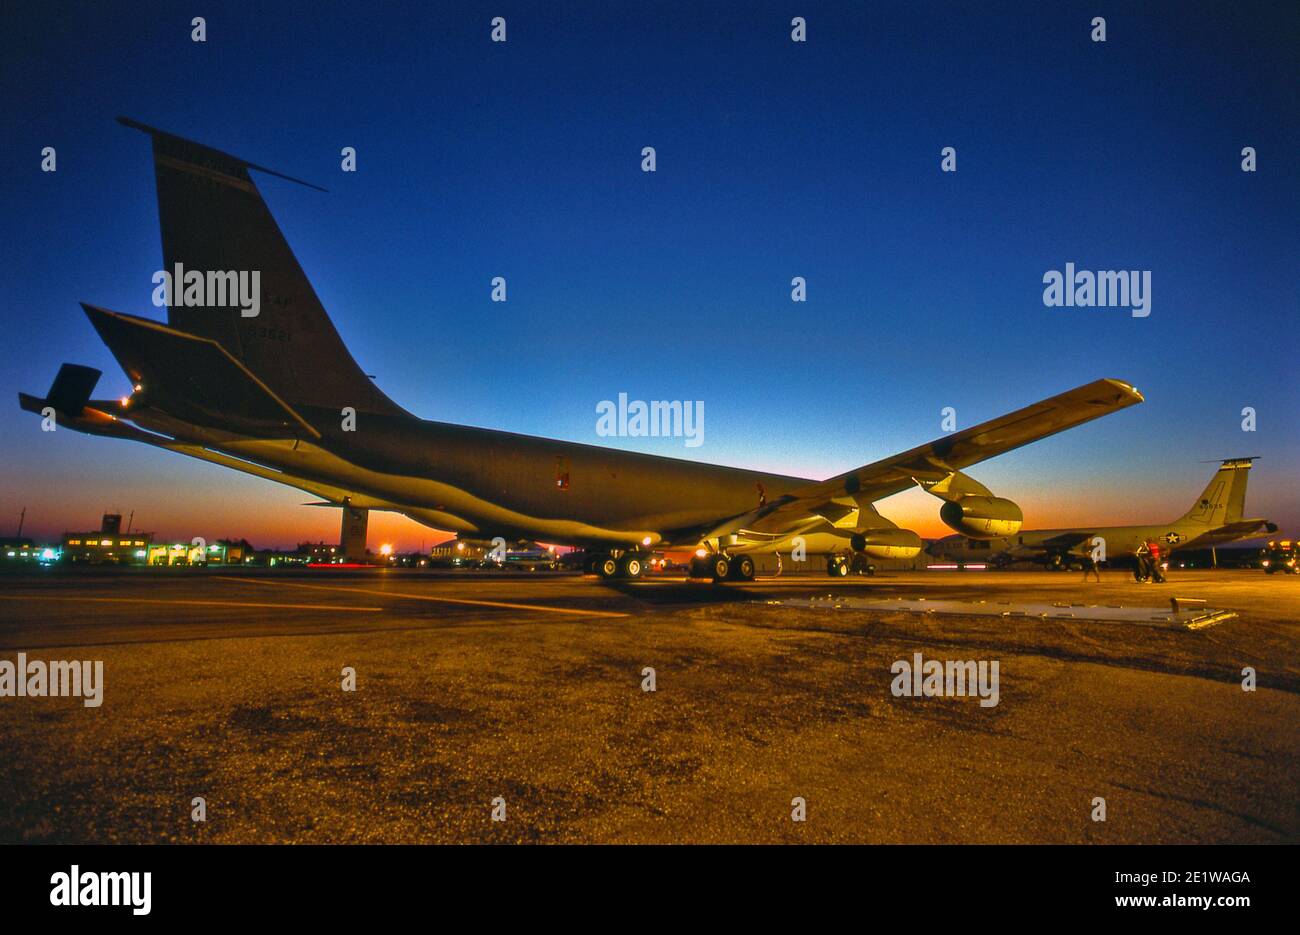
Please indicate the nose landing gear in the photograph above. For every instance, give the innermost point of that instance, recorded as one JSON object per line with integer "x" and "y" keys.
{"x": 840, "y": 566}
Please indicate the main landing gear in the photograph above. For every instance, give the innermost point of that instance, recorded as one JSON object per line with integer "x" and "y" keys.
{"x": 722, "y": 567}
{"x": 624, "y": 565}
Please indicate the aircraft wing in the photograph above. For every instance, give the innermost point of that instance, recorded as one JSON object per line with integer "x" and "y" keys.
{"x": 959, "y": 450}
{"x": 936, "y": 460}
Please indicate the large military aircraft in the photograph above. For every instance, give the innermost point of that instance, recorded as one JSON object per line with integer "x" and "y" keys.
{"x": 1214, "y": 519}
{"x": 263, "y": 384}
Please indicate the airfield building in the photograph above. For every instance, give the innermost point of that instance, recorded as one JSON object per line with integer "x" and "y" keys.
{"x": 108, "y": 544}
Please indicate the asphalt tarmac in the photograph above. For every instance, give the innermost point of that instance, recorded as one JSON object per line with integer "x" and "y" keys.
{"x": 523, "y": 694}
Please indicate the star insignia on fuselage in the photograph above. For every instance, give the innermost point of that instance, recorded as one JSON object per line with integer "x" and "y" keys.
{"x": 1173, "y": 538}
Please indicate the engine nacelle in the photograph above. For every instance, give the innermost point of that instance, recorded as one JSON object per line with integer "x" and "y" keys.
{"x": 982, "y": 517}
{"x": 887, "y": 543}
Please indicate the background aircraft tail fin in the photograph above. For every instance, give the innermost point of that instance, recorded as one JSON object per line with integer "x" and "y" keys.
{"x": 213, "y": 221}
{"x": 1224, "y": 497}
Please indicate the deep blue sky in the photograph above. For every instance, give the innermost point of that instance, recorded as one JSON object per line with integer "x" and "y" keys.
{"x": 775, "y": 159}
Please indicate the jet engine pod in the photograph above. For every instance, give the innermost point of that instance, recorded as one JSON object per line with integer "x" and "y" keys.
{"x": 982, "y": 517}
{"x": 887, "y": 543}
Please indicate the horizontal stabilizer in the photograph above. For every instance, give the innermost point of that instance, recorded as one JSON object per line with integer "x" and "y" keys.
{"x": 194, "y": 378}
{"x": 92, "y": 418}
{"x": 1245, "y": 528}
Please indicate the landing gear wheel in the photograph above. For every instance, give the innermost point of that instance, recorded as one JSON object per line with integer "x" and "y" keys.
{"x": 720, "y": 567}
{"x": 606, "y": 566}
{"x": 631, "y": 566}
{"x": 837, "y": 567}
{"x": 742, "y": 569}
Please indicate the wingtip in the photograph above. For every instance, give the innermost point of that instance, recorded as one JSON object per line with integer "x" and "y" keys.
{"x": 1128, "y": 389}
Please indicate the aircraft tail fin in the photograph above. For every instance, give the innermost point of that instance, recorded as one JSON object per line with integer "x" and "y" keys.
{"x": 215, "y": 224}
{"x": 1224, "y": 497}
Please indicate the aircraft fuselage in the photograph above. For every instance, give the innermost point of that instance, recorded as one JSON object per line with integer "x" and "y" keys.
{"x": 1038, "y": 545}
{"x": 480, "y": 481}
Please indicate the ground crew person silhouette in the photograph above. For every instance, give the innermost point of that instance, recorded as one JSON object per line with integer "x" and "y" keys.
{"x": 1090, "y": 567}
{"x": 1157, "y": 573}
